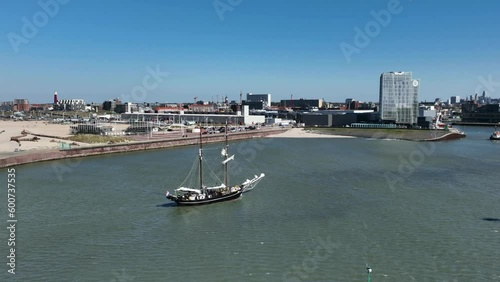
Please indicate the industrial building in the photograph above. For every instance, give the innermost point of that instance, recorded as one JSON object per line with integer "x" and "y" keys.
{"x": 265, "y": 99}
{"x": 338, "y": 118}
{"x": 303, "y": 103}
{"x": 243, "y": 118}
{"x": 70, "y": 105}
{"x": 485, "y": 114}
{"x": 255, "y": 105}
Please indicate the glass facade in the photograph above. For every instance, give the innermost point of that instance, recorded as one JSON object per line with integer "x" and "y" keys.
{"x": 398, "y": 98}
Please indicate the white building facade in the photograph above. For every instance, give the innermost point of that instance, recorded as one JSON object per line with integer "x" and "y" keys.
{"x": 398, "y": 98}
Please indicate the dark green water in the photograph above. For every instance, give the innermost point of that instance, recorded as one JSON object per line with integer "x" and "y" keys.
{"x": 326, "y": 208}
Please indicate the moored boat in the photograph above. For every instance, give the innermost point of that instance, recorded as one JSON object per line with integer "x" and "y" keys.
{"x": 495, "y": 135}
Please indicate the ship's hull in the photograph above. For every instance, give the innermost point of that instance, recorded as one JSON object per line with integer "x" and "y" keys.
{"x": 228, "y": 197}
{"x": 492, "y": 137}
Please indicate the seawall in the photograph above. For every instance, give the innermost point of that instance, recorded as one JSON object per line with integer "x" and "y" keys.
{"x": 449, "y": 136}
{"x": 475, "y": 123}
{"x": 48, "y": 155}
{"x": 399, "y": 134}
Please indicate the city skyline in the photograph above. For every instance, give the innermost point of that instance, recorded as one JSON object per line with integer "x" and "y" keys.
{"x": 172, "y": 51}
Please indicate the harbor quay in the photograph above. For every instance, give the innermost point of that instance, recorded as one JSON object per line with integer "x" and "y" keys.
{"x": 54, "y": 142}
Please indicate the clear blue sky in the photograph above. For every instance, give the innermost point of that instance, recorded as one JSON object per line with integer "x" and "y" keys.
{"x": 98, "y": 50}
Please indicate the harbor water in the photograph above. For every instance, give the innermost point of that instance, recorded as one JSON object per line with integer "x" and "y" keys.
{"x": 412, "y": 211}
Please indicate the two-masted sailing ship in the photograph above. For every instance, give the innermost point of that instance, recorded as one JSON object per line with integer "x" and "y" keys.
{"x": 200, "y": 193}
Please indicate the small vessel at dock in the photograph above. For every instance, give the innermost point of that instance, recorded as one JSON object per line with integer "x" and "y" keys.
{"x": 495, "y": 135}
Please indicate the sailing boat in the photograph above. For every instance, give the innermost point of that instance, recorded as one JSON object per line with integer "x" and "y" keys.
{"x": 203, "y": 194}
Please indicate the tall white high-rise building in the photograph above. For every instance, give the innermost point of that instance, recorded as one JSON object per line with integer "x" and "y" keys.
{"x": 398, "y": 100}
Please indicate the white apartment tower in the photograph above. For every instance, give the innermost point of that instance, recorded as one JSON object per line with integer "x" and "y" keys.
{"x": 398, "y": 100}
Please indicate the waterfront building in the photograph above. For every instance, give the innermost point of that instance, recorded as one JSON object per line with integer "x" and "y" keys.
{"x": 264, "y": 98}
{"x": 427, "y": 111}
{"x": 40, "y": 107}
{"x": 110, "y": 105}
{"x": 6, "y": 106}
{"x": 398, "y": 98}
{"x": 255, "y": 105}
{"x": 94, "y": 129}
{"x": 70, "y": 105}
{"x": 303, "y": 103}
{"x": 201, "y": 118}
{"x": 21, "y": 105}
{"x": 202, "y": 108}
{"x": 337, "y": 118}
{"x": 472, "y": 112}
{"x": 351, "y": 104}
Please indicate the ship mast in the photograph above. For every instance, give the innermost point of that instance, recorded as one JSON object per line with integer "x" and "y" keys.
{"x": 200, "y": 156}
{"x": 225, "y": 158}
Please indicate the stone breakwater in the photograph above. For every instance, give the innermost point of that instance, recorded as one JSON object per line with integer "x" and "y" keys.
{"x": 53, "y": 154}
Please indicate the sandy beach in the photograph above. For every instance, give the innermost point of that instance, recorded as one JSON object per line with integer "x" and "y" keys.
{"x": 11, "y": 129}
{"x": 302, "y": 133}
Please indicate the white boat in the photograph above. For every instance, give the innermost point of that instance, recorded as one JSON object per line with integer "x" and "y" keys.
{"x": 495, "y": 135}
{"x": 438, "y": 123}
